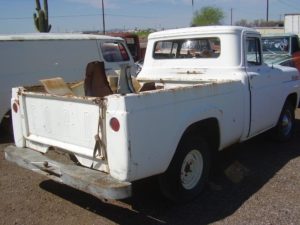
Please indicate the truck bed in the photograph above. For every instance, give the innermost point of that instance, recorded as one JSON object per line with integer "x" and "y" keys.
{"x": 72, "y": 123}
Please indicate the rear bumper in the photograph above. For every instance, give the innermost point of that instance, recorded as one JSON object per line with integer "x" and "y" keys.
{"x": 90, "y": 181}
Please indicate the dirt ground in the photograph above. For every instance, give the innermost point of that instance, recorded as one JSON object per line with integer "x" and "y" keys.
{"x": 257, "y": 182}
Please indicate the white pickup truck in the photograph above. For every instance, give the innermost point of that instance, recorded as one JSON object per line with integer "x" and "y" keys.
{"x": 209, "y": 88}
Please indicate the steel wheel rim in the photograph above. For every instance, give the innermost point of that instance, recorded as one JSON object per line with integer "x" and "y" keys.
{"x": 286, "y": 123}
{"x": 191, "y": 169}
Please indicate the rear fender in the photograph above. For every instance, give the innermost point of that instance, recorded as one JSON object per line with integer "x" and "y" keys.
{"x": 195, "y": 117}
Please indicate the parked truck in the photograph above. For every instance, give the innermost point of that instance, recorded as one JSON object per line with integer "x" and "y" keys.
{"x": 26, "y": 58}
{"x": 207, "y": 88}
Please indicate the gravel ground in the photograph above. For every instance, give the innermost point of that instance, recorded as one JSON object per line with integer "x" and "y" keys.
{"x": 257, "y": 182}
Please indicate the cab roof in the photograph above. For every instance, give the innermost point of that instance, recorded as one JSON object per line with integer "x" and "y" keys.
{"x": 200, "y": 30}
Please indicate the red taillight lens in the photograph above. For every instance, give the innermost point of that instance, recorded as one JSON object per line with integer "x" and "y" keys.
{"x": 114, "y": 124}
{"x": 16, "y": 107}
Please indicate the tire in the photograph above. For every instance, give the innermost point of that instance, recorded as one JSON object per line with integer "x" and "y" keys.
{"x": 284, "y": 129}
{"x": 6, "y": 129}
{"x": 188, "y": 171}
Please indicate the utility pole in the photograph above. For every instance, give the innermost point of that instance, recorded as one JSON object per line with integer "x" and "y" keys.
{"x": 193, "y": 7}
{"x": 267, "y": 19}
{"x": 103, "y": 19}
{"x": 231, "y": 16}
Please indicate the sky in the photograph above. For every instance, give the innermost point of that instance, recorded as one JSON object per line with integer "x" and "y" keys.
{"x": 16, "y": 16}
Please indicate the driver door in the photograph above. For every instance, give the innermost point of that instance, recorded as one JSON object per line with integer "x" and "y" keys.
{"x": 264, "y": 85}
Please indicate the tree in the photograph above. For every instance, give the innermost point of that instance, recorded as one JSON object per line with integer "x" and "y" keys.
{"x": 242, "y": 22}
{"x": 259, "y": 23}
{"x": 41, "y": 20}
{"x": 208, "y": 16}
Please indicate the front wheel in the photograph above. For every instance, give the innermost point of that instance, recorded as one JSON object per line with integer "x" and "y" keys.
{"x": 188, "y": 171}
{"x": 285, "y": 126}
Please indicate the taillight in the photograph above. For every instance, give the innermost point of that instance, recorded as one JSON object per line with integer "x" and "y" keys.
{"x": 114, "y": 124}
{"x": 16, "y": 106}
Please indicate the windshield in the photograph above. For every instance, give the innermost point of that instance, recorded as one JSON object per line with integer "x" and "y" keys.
{"x": 278, "y": 45}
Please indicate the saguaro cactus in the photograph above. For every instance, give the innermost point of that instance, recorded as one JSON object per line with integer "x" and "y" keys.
{"x": 41, "y": 17}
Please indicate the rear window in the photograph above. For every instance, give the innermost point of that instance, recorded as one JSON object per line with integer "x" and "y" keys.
{"x": 114, "y": 52}
{"x": 187, "y": 48}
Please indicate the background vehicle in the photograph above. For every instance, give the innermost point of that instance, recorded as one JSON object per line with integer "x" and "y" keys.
{"x": 133, "y": 42}
{"x": 282, "y": 49}
{"x": 292, "y": 23}
{"x": 25, "y": 59}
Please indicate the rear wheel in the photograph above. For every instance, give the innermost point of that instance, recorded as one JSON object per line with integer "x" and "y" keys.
{"x": 285, "y": 126}
{"x": 188, "y": 171}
